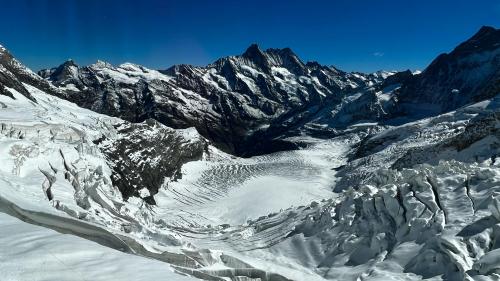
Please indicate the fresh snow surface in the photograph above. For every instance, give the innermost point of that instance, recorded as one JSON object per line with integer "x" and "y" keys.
{"x": 30, "y": 252}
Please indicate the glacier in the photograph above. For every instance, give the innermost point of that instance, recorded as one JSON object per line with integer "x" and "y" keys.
{"x": 368, "y": 191}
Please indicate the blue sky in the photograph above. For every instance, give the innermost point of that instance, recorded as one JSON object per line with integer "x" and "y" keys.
{"x": 352, "y": 35}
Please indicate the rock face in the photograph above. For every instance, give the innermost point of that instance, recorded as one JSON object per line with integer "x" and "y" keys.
{"x": 470, "y": 73}
{"x": 143, "y": 155}
{"x": 243, "y": 104}
{"x": 13, "y": 74}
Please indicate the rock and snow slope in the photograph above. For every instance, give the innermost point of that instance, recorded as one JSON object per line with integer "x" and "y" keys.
{"x": 470, "y": 73}
{"x": 377, "y": 197}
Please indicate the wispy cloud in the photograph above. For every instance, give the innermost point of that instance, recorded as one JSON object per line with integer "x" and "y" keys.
{"x": 378, "y": 54}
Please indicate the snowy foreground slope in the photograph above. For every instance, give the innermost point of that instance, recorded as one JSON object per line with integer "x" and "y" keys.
{"x": 31, "y": 252}
{"x": 84, "y": 196}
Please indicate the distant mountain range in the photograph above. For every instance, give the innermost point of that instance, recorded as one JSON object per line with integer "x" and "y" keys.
{"x": 254, "y": 103}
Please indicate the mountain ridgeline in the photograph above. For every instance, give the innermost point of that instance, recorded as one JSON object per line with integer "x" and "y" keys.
{"x": 255, "y": 103}
{"x": 243, "y": 104}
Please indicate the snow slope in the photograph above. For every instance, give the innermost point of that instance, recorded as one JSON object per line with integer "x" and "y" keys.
{"x": 32, "y": 252}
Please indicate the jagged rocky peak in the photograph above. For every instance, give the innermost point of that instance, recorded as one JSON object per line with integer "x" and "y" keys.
{"x": 486, "y": 39}
{"x": 67, "y": 70}
{"x": 6, "y": 58}
{"x": 178, "y": 69}
{"x": 274, "y": 57}
{"x": 257, "y": 57}
{"x": 253, "y": 52}
{"x": 313, "y": 64}
{"x": 398, "y": 78}
{"x": 288, "y": 59}
{"x": 8, "y": 80}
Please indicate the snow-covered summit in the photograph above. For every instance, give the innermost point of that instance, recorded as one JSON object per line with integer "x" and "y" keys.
{"x": 13, "y": 74}
{"x": 99, "y": 64}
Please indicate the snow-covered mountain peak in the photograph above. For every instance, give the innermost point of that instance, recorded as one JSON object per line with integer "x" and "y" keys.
{"x": 383, "y": 74}
{"x": 65, "y": 71}
{"x": 288, "y": 59}
{"x": 70, "y": 62}
{"x": 99, "y": 64}
{"x": 132, "y": 67}
{"x": 14, "y": 76}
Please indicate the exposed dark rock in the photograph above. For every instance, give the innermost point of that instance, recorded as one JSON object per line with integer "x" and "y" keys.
{"x": 401, "y": 77}
{"x": 470, "y": 73}
{"x": 13, "y": 74}
{"x": 146, "y": 153}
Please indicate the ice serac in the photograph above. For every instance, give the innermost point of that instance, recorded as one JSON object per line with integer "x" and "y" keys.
{"x": 470, "y": 73}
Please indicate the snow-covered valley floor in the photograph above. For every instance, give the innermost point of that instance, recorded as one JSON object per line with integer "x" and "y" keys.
{"x": 228, "y": 190}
